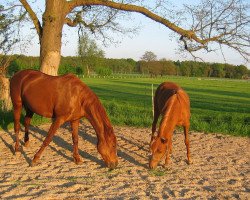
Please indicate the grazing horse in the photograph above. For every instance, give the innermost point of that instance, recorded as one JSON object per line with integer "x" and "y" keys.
{"x": 172, "y": 102}
{"x": 65, "y": 99}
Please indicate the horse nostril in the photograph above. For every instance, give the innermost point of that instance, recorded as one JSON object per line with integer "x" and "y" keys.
{"x": 112, "y": 165}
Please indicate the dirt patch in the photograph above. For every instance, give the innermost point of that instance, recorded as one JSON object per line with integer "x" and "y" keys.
{"x": 220, "y": 168}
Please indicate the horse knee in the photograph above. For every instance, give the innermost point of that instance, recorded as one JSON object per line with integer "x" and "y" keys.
{"x": 17, "y": 127}
{"x": 17, "y": 147}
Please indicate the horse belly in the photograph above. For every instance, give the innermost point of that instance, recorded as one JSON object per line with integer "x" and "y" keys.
{"x": 38, "y": 104}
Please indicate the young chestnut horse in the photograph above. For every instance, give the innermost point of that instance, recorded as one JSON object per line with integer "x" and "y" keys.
{"x": 172, "y": 102}
{"x": 65, "y": 99}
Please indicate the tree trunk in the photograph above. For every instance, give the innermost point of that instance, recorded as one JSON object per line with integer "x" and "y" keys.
{"x": 51, "y": 38}
{"x": 5, "y": 93}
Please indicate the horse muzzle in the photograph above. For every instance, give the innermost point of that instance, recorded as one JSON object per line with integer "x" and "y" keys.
{"x": 153, "y": 163}
{"x": 112, "y": 165}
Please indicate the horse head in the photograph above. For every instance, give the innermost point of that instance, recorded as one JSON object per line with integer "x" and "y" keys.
{"x": 108, "y": 150}
{"x": 158, "y": 149}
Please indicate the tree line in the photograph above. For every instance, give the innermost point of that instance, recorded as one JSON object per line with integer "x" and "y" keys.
{"x": 106, "y": 66}
{"x": 212, "y": 25}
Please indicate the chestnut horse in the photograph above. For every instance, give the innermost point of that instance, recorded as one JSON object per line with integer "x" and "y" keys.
{"x": 65, "y": 99}
{"x": 172, "y": 102}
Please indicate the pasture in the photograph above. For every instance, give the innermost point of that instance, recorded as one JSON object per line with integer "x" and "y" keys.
{"x": 217, "y": 105}
{"x": 220, "y": 168}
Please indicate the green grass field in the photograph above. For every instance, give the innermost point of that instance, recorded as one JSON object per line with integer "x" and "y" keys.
{"x": 217, "y": 105}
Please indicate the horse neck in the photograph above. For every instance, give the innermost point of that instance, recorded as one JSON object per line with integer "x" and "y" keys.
{"x": 98, "y": 119}
{"x": 170, "y": 118}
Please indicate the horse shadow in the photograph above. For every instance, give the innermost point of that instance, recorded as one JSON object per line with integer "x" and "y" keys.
{"x": 121, "y": 153}
{"x": 59, "y": 141}
{"x": 84, "y": 133}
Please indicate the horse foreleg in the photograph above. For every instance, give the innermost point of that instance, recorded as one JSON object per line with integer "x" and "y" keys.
{"x": 54, "y": 126}
{"x": 186, "y": 129}
{"x": 27, "y": 120}
{"x": 17, "y": 115}
{"x": 168, "y": 151}
{"x": 75, "y": 126}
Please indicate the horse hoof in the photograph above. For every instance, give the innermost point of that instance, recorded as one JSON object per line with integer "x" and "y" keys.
{"x": 189, "y": 162}
{"x": 78, "y": 161}
{"x": 27, "y": 144}
{"x": 167, "y": 163}
{"x": 33, "y": 163}
{"x": 17, "y": 151}
{"x": 167, "y": 166}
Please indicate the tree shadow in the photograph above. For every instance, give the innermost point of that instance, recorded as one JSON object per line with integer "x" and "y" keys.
{"x": 11, "y": 146}
{"x": 10, "y": 188}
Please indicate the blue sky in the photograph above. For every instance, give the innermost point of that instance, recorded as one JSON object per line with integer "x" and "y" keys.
{"x": 152, "y": 36}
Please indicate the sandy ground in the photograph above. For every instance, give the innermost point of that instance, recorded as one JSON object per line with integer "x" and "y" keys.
{"x": 220, "y": 169}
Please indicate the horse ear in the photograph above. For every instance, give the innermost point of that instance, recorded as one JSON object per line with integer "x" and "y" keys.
{"x": 163, "y": 140}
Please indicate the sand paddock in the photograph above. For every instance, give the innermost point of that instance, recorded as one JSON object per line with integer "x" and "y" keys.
{"x": 220, "y": 169}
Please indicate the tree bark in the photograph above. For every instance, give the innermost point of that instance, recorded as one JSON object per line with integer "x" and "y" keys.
{"x": 5, "y": 93}
{"x": 51, "y": 38}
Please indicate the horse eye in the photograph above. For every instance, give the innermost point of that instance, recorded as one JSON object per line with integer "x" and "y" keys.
{"x": 163, "y": 140}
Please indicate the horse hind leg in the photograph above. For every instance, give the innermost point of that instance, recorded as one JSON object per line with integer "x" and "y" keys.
{"x": 27, "y": 120}
{"x": 186, "y": 129}
{"x": 75, "y": 127}
{"x": 17, "y": 116}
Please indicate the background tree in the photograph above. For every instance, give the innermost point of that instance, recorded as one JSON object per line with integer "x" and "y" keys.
{"x": 148, "y": 64}
{"x": 89, "y": 52}
{"x": 169, "y": 68}
{"x": 218, "y": 70}
{"x": 149, "y": 56}
{"x": 7, "y": 42}
{"x": 222, "y": 22}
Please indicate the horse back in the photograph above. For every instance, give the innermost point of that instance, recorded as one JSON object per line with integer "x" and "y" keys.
{"x": 180, "y": 109}
{"x": 163, "y": 94}
{"x": 46, "y": 95}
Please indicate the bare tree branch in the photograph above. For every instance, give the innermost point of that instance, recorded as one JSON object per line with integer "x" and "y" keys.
{"x": 133, "y": 8}
{"x": 11, "y": 8}
{"x": 223, "y": 22}
{"x": 219, "y": 22}
{"x": 33, "y": 17}
{"x": 212, "y": 21}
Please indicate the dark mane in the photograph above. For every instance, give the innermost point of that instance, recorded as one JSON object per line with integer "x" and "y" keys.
{"x": 108, "y": 129}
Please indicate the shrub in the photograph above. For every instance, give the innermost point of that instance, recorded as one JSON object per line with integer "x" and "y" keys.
{"x": 102, "y": 71}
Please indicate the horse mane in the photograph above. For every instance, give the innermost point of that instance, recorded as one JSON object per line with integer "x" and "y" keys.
{"x": 106, "y": 122}
{"x": 168, "y": 108}
{"x": 102, "y": 115}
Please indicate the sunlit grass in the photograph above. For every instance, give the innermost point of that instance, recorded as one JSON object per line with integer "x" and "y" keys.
{"x": 217, "y": 105}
